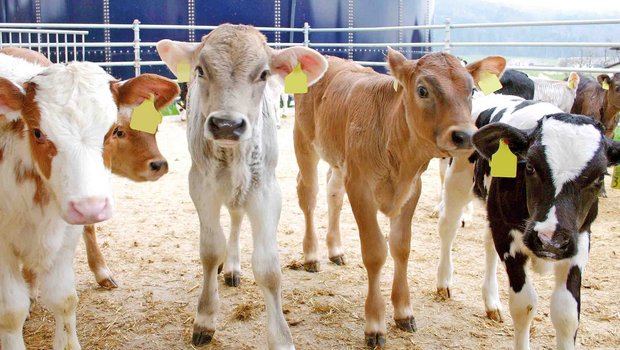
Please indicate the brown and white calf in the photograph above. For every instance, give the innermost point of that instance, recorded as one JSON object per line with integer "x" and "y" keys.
{"x": 600, "y": 104}
{"x": 233, "y": 145}
{"x": 378, "y": 142}
{"x": 134, "y": 154}
{"x": 53, "y": 176}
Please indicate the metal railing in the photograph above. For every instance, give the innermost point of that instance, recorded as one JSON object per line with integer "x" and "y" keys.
{"x": 52, "y": 43}
{"x": 447, "y": 44}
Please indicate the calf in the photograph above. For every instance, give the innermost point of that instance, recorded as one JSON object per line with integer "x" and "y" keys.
{"x": 134, "y": 154}
{"x": 557, "y": 92}
{"x": 594, "y": 101}
{"x": 516, "y": 83}
{"x": 233, "y": 145}
{"x": 378, "y": 142}
{"x": 52, "y": 131}
{"x": 544, "y": 215}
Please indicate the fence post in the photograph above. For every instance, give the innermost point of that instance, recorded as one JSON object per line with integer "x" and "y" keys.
{"x": 136, "y": 47}
{"x": 446, "y": 39}
{"x": 306, "y": 34}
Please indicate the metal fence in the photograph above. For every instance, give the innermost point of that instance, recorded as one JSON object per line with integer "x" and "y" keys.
{"x": 55, "y": 38}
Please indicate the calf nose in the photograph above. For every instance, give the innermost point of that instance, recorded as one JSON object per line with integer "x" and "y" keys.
{"x": 224, "y": 128}
{"x": 89, "y": 210}
{"x": 462, "y": 138}
{"x": 158, "y": 165}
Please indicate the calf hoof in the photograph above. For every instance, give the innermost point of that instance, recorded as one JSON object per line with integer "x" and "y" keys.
{"x": 443, "y": 293}
{"x": 232, "y": 279}
{"x": 108, "y": 283}
{"x": 375, "y": 340}
{"x": 312, "y": 266}
{"x": 202, "y": 336}
{"x": 407, "y": 324}
{"x": 338, "y": 260}
{"x": 495, "y": 315}
{"x": 220, "y": 268}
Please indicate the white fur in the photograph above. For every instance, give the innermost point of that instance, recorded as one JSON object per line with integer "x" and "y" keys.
{"x": 556, "y": 92}
{"x": 548, "y": 226}
{"x": 77, "y": 110}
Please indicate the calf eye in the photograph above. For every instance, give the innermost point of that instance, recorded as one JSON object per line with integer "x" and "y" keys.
{"x": 39, "y": 136}
{"x": 422, "y": 91}
{"x": 264, "y": 75}
{"x": 529, "y": 169}
{"x": 118, "y": 133}
{"x": 200, "y": 72}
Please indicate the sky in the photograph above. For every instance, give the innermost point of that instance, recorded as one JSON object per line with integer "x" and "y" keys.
{"x": 609, "y": 7}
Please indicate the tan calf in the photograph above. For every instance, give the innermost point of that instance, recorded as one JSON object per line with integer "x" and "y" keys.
{"x": 378, "y": 142}
{"x": 133, "y": 154}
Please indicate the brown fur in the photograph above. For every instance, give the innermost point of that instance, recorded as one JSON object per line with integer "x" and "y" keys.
{"x": 381, "y": 141}
{"x": 22, "y": 174}
{"x": 593, "y": 101}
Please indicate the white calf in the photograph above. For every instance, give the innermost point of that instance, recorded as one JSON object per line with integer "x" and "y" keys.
{"x": 233, "y": 145}
{"x": 557, "y": 92}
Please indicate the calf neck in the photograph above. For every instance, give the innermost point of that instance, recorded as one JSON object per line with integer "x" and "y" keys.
{"x": 378, "y": 142}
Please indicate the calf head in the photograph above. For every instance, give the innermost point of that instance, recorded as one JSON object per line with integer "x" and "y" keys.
{"x": 562, "y": 163}
{"x": 613, "y": 101}
{"x": 65, "y": 112}
{"x": 438, "y": 92}
{"x": 134, "y": 154}
{"x": 230, "y": 68}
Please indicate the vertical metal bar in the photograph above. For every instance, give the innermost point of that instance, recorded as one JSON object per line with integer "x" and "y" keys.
{"x": 48, "y": 45}
{"x": 29, "y": 41}
{"x": 57, "y": 49}
{"x": 446, "y": 39}
{"x": 19, "y": 34}
{"x": 75, "y": 47}
{"x": 136, "y": 47}
{"x": 10, "y": 39}
{"x": 83, "y": 47}
{"x": 306, "y": 34}
{"x": 66, "y": 48}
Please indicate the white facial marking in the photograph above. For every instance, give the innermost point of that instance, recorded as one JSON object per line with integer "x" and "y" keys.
{"x": 547, "y": 228}
{"x": 568, "y": 149}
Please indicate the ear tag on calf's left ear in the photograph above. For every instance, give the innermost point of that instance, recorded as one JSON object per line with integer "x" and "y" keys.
{"x": 571, "y": 84}
{"x": 145, "y": 117}
{"x": 605, "y": 85}
{"x": 296, "y": 82}
{"x": 395, "y": 85}
{"x": 489, "y": 83}
{"x": 503, "y": 162}
{"x": 183, "y": 72}
{"x": 615, "y": 178}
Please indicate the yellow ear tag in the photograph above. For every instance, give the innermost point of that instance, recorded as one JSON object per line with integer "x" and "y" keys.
{"x": 615, "y": 178}
{"x": 503, "y": 162}
{"x": 489, "y": 83}
{"x": 571, "y": 84}
{"x": 145, "y": 117}
{"x": 395, "y": 85}
{"x": 296, "y": 82}
{"x": 605, "y": 85}
{"x": 183, "y": 72}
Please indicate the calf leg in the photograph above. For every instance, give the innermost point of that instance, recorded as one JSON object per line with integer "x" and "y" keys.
{"x": 263, "y": 210}
{"x": 96, "y": 262}
{"x": 307, "y": 188}
{"x": 58, "y": 292}
{"x": 14, "y": 301}
{"x": 212, "y": 253}
{"x": 566, "y": 297}
{"x": 523, "y": 299}
{"x": 232, "y": 267}
{"x": 443, "y": 167}
{"x": 335, "y": 192}
{"x": 400, "y": 246}
{"x": 490, "y": 293}
{"x": 457, "y": 192}
{"x": 374, "y": 253}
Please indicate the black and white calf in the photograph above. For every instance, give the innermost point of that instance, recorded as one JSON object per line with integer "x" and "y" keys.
{"x": 543, "y": 216}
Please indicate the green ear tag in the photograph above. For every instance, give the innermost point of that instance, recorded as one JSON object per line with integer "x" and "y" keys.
{"x": 615, "y": 178}
{"x": 489, "y": 83}
{"x": 296, "y": 82}
{"x": 605, "y": 85}
{"x": 170, "y": 110}
{"x": 145, "y": 117}
{"x": 183, "y": 72}
{"x": 395, "y": 85}
{"x": 503, "y": 162}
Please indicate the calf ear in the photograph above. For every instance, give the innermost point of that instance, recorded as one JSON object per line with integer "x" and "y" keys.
{"x": 133, "y": 91}
{"x": 174, "y": 52}
{"x": 396, "y": 62}
{"x": 11, "y": 99}
{"x": 492, "y": 64}
{"x": 486, "y": 139}
{"x": 313, "y": 64}
{"x": 613, "y": 152}
{"x": 573, "y": 80}
{"x": 603, "y": 78}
